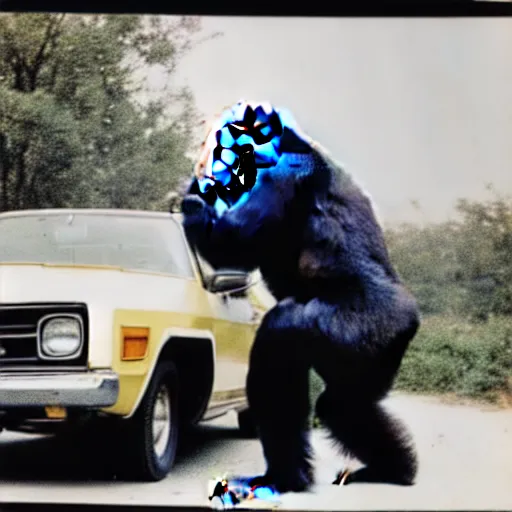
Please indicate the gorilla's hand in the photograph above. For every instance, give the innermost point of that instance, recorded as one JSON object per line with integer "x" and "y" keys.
{"x": 212, "y": 193}
{"x": 205, "y": 188}
{"x": 192, "y": 205}
{"x": 198, "y": 217}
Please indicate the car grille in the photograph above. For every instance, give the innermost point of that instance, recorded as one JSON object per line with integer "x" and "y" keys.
{"x": 18, "y": 335}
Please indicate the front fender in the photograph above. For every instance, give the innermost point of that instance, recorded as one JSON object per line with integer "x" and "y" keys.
{"x": 134, "y": 376}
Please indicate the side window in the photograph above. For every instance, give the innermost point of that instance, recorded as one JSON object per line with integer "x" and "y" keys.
{"x": 177, "y": 251}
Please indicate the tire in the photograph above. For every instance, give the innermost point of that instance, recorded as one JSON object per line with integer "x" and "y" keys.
{"x": 247, "y": 425}
{"x": 151, "y": 460}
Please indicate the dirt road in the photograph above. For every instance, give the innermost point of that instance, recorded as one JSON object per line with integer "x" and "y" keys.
{"x": 465, "y": 464}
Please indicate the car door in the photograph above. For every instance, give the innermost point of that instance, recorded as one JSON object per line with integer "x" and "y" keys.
{"x": 234, "y": 323}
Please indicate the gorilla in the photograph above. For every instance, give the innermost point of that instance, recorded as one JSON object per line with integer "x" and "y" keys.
{"x": 267, "y": 196}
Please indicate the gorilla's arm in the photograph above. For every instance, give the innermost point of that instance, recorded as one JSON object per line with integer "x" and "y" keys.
{"x": 256, "y": 224}
{"x": 237, "y": 238}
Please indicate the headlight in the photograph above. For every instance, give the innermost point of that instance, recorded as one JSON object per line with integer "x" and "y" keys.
{"x": 61, "y": 337}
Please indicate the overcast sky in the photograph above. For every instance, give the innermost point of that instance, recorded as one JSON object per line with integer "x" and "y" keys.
{"x": 418, "y": 109}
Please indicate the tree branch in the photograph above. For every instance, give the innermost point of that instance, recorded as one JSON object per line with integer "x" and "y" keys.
{"x": 50, "y": 38}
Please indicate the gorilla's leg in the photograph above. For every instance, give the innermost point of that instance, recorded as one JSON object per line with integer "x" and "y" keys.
{"x": 358, "y": 354}
{"x": 278, "y": 394}
{"x": 368, "y": 432}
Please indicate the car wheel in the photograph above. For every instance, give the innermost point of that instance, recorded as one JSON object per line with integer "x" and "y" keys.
{"x": 153, "y": 430}
{"x": 247, "y": 425}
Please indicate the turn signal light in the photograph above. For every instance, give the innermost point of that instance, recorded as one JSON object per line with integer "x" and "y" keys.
{"x": 135, "y": 343}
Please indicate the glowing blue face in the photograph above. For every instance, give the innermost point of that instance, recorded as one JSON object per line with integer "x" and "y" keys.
{"x": 246, "y": 125}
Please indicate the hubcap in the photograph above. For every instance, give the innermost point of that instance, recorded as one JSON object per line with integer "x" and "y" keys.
{"x": 161, "y": 421}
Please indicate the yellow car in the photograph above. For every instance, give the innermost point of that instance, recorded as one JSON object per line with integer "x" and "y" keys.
{"x": 108, "y": 314}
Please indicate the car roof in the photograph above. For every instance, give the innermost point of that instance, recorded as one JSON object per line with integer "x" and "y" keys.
{"x": 91, "y": 211}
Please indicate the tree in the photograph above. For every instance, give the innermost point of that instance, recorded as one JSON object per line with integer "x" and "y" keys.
{"x": 484, "y": 250}
{"x": 426, "y": 260}
{"x": 462, "y": 267}
{"x": 71, "y": 133}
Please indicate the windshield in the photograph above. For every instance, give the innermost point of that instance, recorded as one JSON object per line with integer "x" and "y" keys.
{"x": 130, "y": 242}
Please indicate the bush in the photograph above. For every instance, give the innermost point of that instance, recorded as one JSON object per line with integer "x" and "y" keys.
{"x": 450, "y": 355}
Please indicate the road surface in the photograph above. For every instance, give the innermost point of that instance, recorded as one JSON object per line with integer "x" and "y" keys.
{"x": 465, "y": 464}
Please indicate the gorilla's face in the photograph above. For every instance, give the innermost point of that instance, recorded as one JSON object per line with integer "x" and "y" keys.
{"x": 245, "y": 137}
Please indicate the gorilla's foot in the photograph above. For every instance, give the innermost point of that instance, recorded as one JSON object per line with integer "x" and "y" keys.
{"x": 299, "y": 481}
{"x": 369, "y": 474}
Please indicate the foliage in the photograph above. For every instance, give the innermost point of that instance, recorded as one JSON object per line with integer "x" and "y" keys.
{"x": 71, "y": 131}
{"x": 461, "y": 275}
{"x": 452, "y": 356}
{"x": 459, "y": 268}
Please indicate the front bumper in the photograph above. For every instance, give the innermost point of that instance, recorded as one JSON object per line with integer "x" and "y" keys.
{"x": 94, "y": 389}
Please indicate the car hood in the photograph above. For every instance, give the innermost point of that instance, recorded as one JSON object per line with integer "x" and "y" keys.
{"x": 103, "y": 290}
{"x": 60, "y": 283}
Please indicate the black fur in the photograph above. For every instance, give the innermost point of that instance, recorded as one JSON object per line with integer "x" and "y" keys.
{"x": 341, "y": 310}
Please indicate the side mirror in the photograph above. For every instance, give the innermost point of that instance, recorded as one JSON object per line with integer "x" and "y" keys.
{"x": 225, "y": 281}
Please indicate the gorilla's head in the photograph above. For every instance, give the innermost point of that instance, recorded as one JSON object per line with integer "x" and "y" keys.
{"x": 247, "y": 137}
